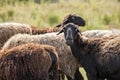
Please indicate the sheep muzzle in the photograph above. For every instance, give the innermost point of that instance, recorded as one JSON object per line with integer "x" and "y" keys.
{"x": 69, "y": 42}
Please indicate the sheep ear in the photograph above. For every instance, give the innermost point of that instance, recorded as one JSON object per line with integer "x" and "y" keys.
{"x": 60, "y": 32}
{"x": 81, "y": 21}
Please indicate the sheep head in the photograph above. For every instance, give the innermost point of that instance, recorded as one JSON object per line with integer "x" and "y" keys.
{"x": 72, "y": 18}
{"x": 70, "y": 31}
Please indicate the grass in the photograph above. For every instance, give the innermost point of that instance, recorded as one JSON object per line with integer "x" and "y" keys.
{"x": 83, "y": 73}
{"x": 99, "y": 14}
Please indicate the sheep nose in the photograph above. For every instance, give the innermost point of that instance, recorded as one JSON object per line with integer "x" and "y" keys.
{"x": 69, "y": 41}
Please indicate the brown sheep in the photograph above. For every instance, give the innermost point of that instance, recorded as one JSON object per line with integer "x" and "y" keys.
{"x": 9, "y": 29}
{"x": 37, "y": 30}
{"x": 99, "y": 56}
{"x": 29, "y": 62}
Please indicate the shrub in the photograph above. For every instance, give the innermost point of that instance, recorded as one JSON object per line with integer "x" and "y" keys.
{"x": 53, "y": 19}
{"x": 106, "y": 19}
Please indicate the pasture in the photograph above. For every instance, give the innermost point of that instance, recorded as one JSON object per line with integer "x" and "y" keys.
{"x": 98, "y": 14}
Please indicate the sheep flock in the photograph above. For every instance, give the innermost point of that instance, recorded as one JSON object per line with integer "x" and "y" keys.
{"x": 31, "y": 53}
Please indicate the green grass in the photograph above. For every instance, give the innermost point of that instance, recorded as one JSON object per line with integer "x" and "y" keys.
{"x": 83, "y": 73}
{"x": 99, "y": 14}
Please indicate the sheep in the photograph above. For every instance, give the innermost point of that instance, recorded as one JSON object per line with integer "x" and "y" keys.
{"x": 68, "y": 64}
{"x": 100, "y": 33}
{"x": 97, "y": 33}
{"x": 72, "y": 18}
{"x": 29, "y": 62}
{"x": 100, "y": 57}
{"x": 8, "y": 29}
{"x": 69, "y": 18}
{"x": 37, "y": 30}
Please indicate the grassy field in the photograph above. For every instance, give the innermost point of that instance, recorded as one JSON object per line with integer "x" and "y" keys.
{"x": 99, "y": 14}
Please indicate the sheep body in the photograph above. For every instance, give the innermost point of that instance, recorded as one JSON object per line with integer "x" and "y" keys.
{"x": 9, "y": 29}
{"x": 96, "y": 55}
{"x": 68, "y": 63}
{"x": 37, "y": 30}
{"x": 27, "y": 62}
{"x": 100, "y": 33}
{"x": 97, "y": 33}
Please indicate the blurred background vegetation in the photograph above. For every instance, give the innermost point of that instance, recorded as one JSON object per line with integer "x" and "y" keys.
{"x": 99, "y": 14}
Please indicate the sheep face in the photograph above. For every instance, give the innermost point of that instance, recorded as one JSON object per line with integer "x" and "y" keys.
{"x": 70, "y": 33}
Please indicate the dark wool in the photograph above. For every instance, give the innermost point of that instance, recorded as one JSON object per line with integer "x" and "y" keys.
{"x": 99, "y": 56}
{"x": 72, "y": 18}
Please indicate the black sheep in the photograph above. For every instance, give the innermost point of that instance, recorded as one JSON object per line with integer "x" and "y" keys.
{"x": 100, "y": 57}
{"x": 73, "y": 18}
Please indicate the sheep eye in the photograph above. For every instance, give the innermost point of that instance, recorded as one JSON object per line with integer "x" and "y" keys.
{"x": 76, "y": 30}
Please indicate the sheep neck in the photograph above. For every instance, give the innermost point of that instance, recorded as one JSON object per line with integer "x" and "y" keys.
{"x": 79, "y": 47}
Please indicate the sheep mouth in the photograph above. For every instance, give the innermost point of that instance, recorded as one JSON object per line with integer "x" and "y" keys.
{"x": 69, "y": 42}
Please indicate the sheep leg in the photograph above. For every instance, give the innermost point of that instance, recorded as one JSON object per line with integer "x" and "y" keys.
{"x": 61, "y": 75}
{"x": 54, "y": 67}
{"x": 92, "y": 78}
{"x": 78, "y": 75}
{"x": 53, "y": 73}
{"x": 69, "y": 78}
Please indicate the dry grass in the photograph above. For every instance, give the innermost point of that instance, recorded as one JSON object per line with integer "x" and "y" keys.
{"x": 99, "y": 14}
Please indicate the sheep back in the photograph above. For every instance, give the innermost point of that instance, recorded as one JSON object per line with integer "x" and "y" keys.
{"x": 26, "y": 62}
{"x": 9, "y": 29}
{"x": 37, "y": 30}
{"x": 100, "y": 33}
